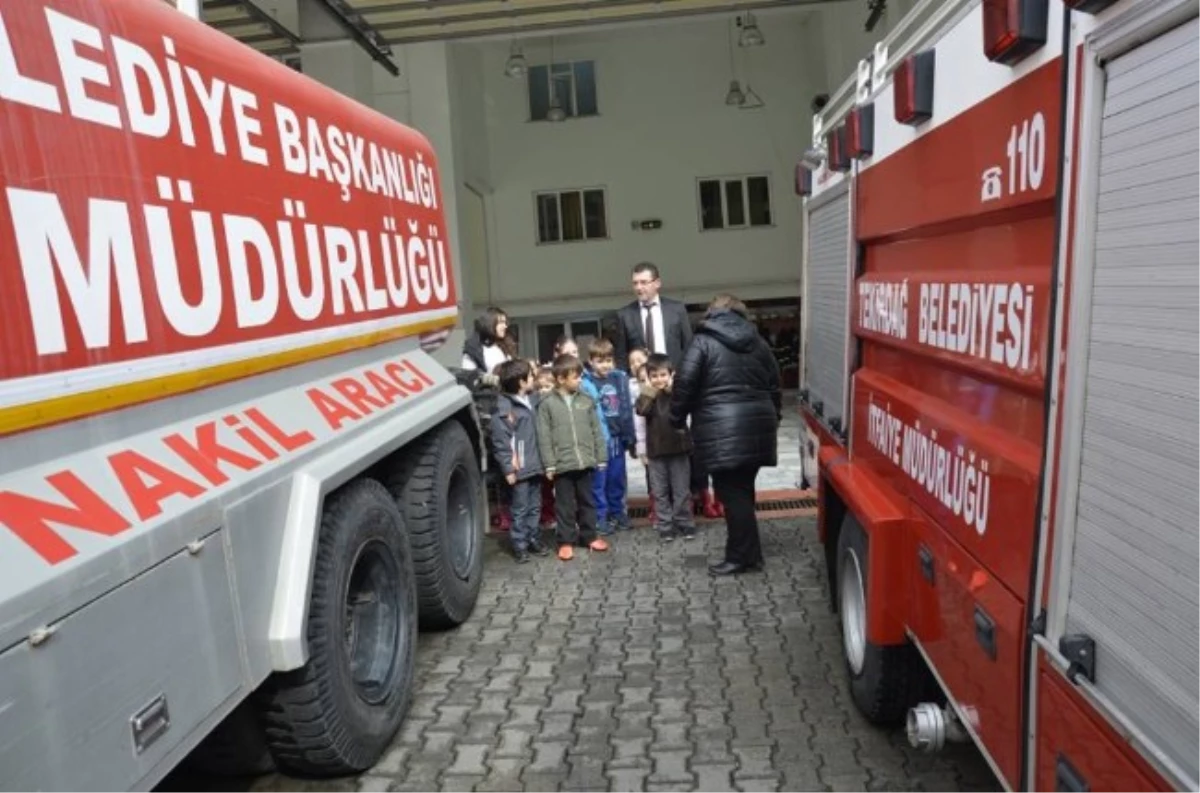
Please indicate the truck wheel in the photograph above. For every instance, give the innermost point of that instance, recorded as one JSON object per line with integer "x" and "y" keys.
{"x": 437, "y": 486}
{"x": 336, "y": 714}
{"x": 885, "y": 680}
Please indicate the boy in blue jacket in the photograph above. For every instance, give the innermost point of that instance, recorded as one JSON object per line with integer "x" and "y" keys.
{"x": 609, "y": 386}
{"x": 515, "y": 447}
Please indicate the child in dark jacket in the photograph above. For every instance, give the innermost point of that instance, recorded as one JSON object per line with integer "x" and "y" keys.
{"x": 515, "y": 447}
{"x": 667, "y": 450}
{"x": 610, "y": 387}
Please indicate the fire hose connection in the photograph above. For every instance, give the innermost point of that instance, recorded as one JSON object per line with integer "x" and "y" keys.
{"x": 931, "y": 727}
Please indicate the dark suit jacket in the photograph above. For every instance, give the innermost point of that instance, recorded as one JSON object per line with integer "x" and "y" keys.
{"x": 630, "y": 334}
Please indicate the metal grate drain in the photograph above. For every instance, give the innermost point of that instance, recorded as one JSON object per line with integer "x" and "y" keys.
{"x": 774, "y": 505}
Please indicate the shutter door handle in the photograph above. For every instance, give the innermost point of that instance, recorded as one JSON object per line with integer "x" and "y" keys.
{"x": 925, "y": 559}
{"x": 985, "y": 632}
{"x": 1067, "y": 778}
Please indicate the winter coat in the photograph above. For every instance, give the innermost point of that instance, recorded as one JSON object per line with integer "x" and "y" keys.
{"x": 729, "y": 384}
{"x": 474, "y": 354}
{"x": 569, "y": 436}
{"x": 612, "y": 395}
{"x": 514, "y": 437}
{"x": 662, "y": 439}
{"x": 587, "y": 387}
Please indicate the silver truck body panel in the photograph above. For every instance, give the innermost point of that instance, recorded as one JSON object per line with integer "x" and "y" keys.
{"x": 89, "y": 640}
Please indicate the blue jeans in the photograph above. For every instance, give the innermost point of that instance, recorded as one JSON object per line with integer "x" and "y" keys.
{"x": 608, "y": 486}
{"x": 526, "y": 508}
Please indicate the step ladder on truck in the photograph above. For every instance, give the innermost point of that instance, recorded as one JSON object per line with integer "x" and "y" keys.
{"x": 1000, "y": 383}
{"x": 233, "y": 480}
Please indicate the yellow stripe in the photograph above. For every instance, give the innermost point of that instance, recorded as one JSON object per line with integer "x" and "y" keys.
{"x": 74, "y": 406}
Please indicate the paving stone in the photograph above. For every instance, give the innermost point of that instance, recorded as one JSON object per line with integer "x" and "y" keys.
{"x": 637, "y": 671}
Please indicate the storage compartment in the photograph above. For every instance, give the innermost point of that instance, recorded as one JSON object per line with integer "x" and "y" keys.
{"x": 1075, "y": 750}
{"x": 102, "y": 699}
{"x": 970, "y": 627}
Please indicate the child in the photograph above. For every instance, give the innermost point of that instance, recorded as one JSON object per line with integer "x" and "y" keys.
{"x": 610, "y": 388}
{"x": 545, "y": 384}
{"x": 572, "y": 450}
{"x": 545, "y": 380}
{"x": 515, "y": 446}
{"x": 668, "y": 451}
{"x": 637, "y": 377}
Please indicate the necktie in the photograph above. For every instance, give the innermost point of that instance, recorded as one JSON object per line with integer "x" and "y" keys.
{"x": 651, "y": 336}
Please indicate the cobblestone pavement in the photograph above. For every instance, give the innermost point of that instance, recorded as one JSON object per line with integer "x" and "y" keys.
{"x": 635, "y": 670}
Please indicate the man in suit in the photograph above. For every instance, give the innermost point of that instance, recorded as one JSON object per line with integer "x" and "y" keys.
{"x": 657, "y": 323}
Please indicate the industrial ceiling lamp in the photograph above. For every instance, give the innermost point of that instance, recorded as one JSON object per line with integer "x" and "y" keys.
{"x": 752, "y": 101}
{"x": 515, "y": 66}
{"x": 750, "y": 36}
{"x": 734, "y": 96}
{"x": 555, "y": 112}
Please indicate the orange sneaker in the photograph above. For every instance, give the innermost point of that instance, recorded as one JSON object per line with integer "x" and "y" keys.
{"x": 598, "y": 544}
{"x": 566, "y": 553}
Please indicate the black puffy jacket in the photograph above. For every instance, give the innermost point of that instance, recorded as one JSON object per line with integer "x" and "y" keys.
{"x": 729, "y": 383}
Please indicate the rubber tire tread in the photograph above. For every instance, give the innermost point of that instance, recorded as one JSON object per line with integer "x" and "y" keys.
{"x": 420, "y": 481}
{"x": 894, "y": 677}
{"x": 312, "y": 717}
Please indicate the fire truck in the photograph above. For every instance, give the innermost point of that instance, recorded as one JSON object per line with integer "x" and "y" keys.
{"x": 234, "y": 482}
{"x": 1000, "y": 383}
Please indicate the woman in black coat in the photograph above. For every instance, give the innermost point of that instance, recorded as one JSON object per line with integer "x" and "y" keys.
{"x": 729, "y": 384}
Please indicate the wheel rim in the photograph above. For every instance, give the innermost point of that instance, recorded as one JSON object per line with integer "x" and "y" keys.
{"x": 854, "y": 613}
{"x": 374, "y": 618}
{"x": 461, "y": 508}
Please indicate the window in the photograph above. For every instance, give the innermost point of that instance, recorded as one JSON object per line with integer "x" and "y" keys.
{"x": 571, "y": 216}
{"x": 735, "y": 203}
{"x": 574, "y": 86}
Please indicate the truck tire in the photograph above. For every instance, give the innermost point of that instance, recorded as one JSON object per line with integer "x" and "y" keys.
{"x": 337, "y": 714}
{"x": 885, "y": 680}
{"x": 437, "y": 486}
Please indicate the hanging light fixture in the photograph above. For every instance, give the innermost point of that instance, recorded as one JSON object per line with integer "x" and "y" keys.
{"x": 555, "y": 112}
{"x": 750, "y": 36}
{"x": 752, "y": 101}
{"x": 734, "y": 96}
{"x": 515, "y": 66}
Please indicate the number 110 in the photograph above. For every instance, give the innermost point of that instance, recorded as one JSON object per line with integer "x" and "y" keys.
{"x": 1027, "y": 154}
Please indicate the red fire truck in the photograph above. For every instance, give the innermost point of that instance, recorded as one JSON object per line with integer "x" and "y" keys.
{"x": 1000, "y": 382}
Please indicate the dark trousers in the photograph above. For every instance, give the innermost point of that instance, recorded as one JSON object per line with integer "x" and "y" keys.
{"x": 672, "y": 497}
{"x": 735, "y": 489}
{"x": 526, "y": 506}
{"x": 576, "y": 507}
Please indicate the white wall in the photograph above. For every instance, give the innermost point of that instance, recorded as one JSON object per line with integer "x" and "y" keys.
{"x": 662, "y": 124}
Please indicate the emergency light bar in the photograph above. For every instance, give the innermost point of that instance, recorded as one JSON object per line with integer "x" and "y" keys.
{"x": 804, "y": 180}
{"x": 1088, "y": 6}
{"x": 1013, "y": 29}
{"x": 860, "y": 131}
{"x": 912, "y": 90}
{"x": 838, "y": 158}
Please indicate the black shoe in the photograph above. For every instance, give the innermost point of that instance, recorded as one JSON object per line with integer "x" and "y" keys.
{"x": 537, "y": 549}
{"x": 689, "y": 533}
{"x": 666, "y": 536}
{"x": 521, "y": 556}
{"x": 731, "y": 568}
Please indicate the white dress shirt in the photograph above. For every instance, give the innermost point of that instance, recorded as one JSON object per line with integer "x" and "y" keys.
{"x": 660, "y": 332}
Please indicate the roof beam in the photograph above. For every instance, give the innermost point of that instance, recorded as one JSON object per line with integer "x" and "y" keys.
{"x": 359, "y": 29}
{"x": 571, "y": 14}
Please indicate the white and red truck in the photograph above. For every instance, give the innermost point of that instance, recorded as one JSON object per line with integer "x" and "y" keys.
{"x": 233, "y": 481}
{"x": 1000, "y": 383}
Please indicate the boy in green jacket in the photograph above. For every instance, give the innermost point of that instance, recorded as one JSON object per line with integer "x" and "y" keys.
{"x": 572, "y": 448}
